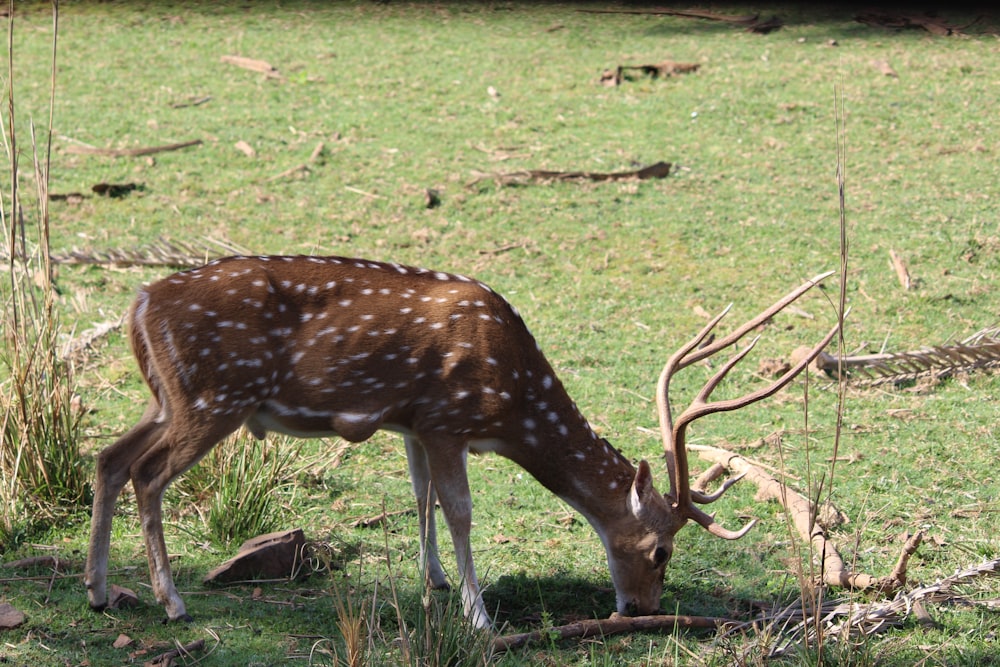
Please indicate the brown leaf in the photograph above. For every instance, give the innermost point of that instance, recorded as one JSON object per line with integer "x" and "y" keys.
{"x": 251, "y": 64}
{"x": 902, "y": 273}
{"x": 245, "y": 148}
{"x": 122, "y": 598}
{"x": 885, "y": 68}
{"x": 122, "y": 641}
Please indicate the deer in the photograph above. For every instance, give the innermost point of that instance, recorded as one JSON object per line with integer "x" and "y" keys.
{"x": 331, "y": 346}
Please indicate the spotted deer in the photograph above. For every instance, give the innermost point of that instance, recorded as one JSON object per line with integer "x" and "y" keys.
{"x": 324, "y": 346}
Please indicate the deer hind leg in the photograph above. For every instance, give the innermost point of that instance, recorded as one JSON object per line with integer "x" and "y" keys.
{"x": 423, "y": 489}
{"x": 181, "y": 446}
{"x": 447, "y": 463}
{"x": 113, "y": 464}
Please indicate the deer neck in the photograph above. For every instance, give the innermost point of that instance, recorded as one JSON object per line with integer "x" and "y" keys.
{"x": 557, "y": 446}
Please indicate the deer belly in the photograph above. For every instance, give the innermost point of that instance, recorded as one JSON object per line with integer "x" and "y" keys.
{"x": 305, "y": 422}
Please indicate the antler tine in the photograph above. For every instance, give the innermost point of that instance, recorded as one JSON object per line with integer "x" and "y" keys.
{"x": 675, "y": 363}
{"x": 750, "y": 325}
{"x": 707, "y": 521}
{"x": 674, "y": 433}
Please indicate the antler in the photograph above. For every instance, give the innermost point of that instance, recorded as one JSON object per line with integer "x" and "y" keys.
{"x": 673, "y": 434}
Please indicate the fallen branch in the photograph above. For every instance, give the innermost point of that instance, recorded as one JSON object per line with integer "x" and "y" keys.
{"x": 794, "y": 626}
{"x": 601, "y": 627}
{"x": 805, "y": 518}
{"x": 751, "y": 22}
{"x": 77, "y": 149}
{"x": 75, "y": 350}
{"x": 657, "y": 170}
{"x": 932, "y": 24}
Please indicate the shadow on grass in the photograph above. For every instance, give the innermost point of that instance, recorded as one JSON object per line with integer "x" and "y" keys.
{"x": 526, "y": 601}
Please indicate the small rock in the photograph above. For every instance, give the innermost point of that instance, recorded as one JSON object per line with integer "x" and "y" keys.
{"x": 268, "y": 556}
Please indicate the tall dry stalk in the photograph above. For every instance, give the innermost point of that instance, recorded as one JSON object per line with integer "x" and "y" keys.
{"x": 40, "y": 464}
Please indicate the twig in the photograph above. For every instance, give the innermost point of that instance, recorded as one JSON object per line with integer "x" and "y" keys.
{"x": 601, "y": 627}
{"x": 193, "y": 103}
{"x": 130, "y": 152}
{"x": 304, "y": 167}
{"x": 657, "y": 170}
{"x": 377, "y": 519}
{"x": 167, "y": 657}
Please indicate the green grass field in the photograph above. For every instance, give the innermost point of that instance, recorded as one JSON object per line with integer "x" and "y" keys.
{"x": 372, "y": 104}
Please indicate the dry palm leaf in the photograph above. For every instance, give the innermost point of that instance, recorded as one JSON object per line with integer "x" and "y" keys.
{"x": 163, "y": 252}
{"x": 981, "y": 351}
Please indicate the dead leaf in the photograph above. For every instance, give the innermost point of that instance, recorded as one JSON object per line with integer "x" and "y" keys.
{"x": 251, "y": 64}
{"x": 245, "y": 148}
{"x": 773, "y": 367}
{"x": 122, "y": 641}
{"x": 885, "y": 68}
{"x": 902, "y": 273}
{"x": 122, "y": 598}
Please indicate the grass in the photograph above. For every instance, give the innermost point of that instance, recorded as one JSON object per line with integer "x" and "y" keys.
{"x": 610, "y": 277}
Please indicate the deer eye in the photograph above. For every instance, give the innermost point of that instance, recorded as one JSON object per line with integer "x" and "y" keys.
{"x": 660, "y": 557}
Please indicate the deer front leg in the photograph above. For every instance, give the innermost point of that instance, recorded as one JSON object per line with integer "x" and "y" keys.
{"x": 112, "y": 472}
{"x": 447, "y": 467}
{"x": 423, "y": 489}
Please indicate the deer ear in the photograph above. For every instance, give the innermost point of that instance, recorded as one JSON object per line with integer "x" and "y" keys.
{"x": 642, "y": 486}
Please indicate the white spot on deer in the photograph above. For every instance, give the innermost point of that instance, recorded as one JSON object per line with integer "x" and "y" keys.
{"x": 459, "y": 395}
{"x": 297, "y": 357}
{"x": 505, "y": 396}
{"x": 420, "y": 320}
{"x": 553, "y": 417}
{"x": 367, "y": 317}
{"x": 531, "y": 440}
{"x": 194, "y": 307}
{"x": 305, "y": 317}
{"x": 441, "y": 276}
{"x": 345, "y": 303}
{"x": 485, "y": 317}
{"x": 200, "y": 404}
{"x": 547, "y": 382}
{"x": 368, "y": 291}
{"x": 330, "y": 285}
{"x": 406, "y": 311}
{"x": 437, "y": 325}
{"x": 529, "y": 424}
{"x": 580, "y": 456}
